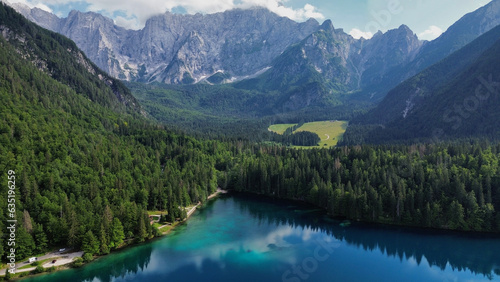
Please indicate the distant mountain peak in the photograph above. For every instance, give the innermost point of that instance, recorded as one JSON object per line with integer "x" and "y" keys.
{"x": 312, "y": 21}
{"x": 61, "y": 59}
{"x": 91, "y": 16}
{"x": 171, "y": 47}
{"x": 327, "y": 25}
{"x": 405, "y": 28}
{"x": 246, "y": 43}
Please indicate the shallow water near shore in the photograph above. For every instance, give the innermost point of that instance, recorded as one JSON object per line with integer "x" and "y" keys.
{"x": 247, "y": 238}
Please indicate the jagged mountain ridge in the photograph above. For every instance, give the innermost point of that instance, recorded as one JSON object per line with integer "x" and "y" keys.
{"x": 237, "y": 44}
{"x": 336, "y": 64}
{"x": 61, "y": 59}
{"x": 178, "y": 49}
{"x": 277, "y": 52}
{"x": 461, "y": 33}
{"x": 373, "y": 67}
{"x": 456, "y": 97}
{"x": 464, "y": 31}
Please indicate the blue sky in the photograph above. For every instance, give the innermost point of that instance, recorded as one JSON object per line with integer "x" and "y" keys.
{"x": 427, "y": 18}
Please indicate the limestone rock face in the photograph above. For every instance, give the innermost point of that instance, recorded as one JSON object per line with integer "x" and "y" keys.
{"x": 342, "y": 63}
{"x": 241, "y": 44}
{"x": 175, "y": 48}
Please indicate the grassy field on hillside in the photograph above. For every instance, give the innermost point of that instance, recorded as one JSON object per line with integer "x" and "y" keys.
{"x": 330, "y": 132}
{"x": 280, "y": 128}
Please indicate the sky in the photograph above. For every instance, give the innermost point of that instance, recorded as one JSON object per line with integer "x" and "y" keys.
{"x": 360, "y": 18}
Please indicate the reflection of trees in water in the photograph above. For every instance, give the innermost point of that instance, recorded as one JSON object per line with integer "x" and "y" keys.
{"x": 479, "y": 253}
{"x": 118, "y": 265}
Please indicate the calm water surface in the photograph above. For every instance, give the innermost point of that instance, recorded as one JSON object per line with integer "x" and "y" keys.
{"x": 243, "y": 238}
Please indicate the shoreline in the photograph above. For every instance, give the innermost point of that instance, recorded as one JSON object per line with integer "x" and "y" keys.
{"x": 64, "y": 264}
{"x": 373, "y": 223}
{"x": 215, "y": 194}
{"x": 190, "y": 212}
{"x": 62, "y": 259}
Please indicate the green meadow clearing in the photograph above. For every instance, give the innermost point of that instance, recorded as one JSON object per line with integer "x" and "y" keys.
{"x": 330, "y": 132}
{"x": 280, "y": 128}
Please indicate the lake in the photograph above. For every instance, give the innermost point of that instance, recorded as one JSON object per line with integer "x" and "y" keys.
{"x": 246, "y": 238}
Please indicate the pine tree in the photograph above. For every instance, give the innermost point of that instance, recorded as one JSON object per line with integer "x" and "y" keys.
{"x": 8, "y": 275}
{"x": 456, "y": 216}
{"x": 104, "y": 240}
{"x": 141, "y": 229}
{"x": 24, "y": 243}
{"x": 117, "y": 234}
{"x": 90, "y": 244}
{"x": 41, "y": 241}
{"x": 27, "y": 224}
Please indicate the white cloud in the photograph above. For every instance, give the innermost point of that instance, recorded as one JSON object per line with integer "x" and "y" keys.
{"x": 356, "y": 33}
{"x": 127, "y": 23}
{"x": 136, "y": 12}
{"x": 278, "y": 7}
{"x": 43, "y": 7}
{"x": 32, "y": 4}
{"x": 431, "y": 33}
{"x": 311, "y": 12}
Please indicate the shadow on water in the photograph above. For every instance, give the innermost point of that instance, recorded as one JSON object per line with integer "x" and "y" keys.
{"x": 126, "y": 262}
{"x": 477, "y": 252}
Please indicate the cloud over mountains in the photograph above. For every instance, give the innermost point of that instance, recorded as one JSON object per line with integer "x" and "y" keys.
{"x": 134, "y": 14}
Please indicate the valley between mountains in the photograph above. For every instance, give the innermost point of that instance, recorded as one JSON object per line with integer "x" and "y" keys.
{"x": 110, "y": 136}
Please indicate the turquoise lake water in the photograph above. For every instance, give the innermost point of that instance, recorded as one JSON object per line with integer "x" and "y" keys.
{"x": 245, "y": 238}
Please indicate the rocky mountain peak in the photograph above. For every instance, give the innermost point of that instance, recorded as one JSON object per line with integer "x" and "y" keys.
{"x": 246, "y": 43}
{"x": 327, "y": 25}
{"x": 89, "y": 19}
{"x": 405, "y": 28}
{"x": 172, "y": 47}
{"x": 386, "y": 51}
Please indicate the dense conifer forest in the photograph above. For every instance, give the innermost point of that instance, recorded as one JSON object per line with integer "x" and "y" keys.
{"x": 450, "y": 186}
{"x": 88, "y": 165}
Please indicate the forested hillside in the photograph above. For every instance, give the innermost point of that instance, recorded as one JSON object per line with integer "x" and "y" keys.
{"x": 61, "y": 59}
{"x": 455, "y": 98}
{"x": 88, "y": 165}
{"x": 227, "y": 111}
{"x": 85, "y": 170}
{"x": 451, "y": 186}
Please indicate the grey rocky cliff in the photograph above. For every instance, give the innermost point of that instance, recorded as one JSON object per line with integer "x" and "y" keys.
{"x": 253, "y": 43}
{"x": 461, "y": 33}
{"x": 344, "y": 63}
{"x": 384, "y": 52}
{"x": 174, "y": 48}
{"x": 184, "y": 49}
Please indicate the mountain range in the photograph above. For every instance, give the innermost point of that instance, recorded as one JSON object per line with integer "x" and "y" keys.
{"x": 456, "y": 97}
{"x": 60, "y": 58}
{"x": 89, "y": 167}
{"x": 176, "y": 49}
{"x": 81, "y": 150}
{"x": 253, "y": 63}
{"x": 256, "y": 43}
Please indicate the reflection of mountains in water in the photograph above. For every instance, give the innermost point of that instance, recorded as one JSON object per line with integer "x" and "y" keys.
{"x": 480, "y": 253}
